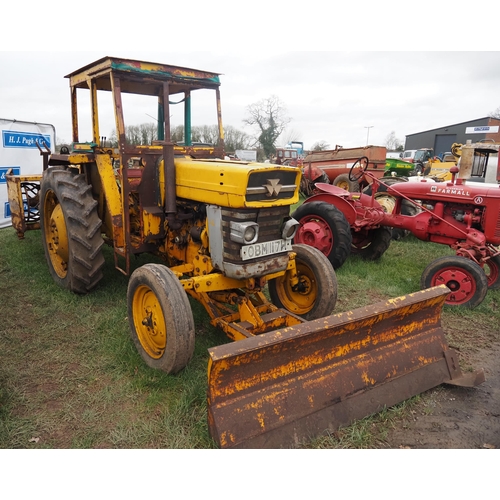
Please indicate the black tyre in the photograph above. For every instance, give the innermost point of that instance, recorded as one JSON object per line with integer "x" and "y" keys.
{"x": 324, "y": 227}
{"x": 492, "y": 270}
{"x": 343, "y": 181}
{"x": 419, "y": 168}
{"x": 160, "y": 318}
{"x": 466, "y": 280}
{"x": 371, "y": 244}
{"x": 407, "y": 208}
{"x": 315, "y": 295}
{"x": 71, "y": 230}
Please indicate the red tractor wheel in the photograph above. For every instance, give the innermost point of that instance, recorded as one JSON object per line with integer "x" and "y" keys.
{"x": 492, "y": 271}
{"x": 466, "y": 280}
{"x": 324, "y": 227}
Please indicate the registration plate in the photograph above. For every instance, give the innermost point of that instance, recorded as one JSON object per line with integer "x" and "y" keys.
{"x": 265, "y": 248}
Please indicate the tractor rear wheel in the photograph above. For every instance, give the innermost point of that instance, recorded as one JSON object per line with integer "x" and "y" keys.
{"x": 160, "y": 318}
{"x": 492, "y": 270}
{"x": 466, "y": 280}
{"x": 388, "y": 202}
{"x": 371, "y": 244}
{"x": 315, "y": 295}
{"x": 71, "y": 230}
{"x": 343, "y": 181}
{"x": 324, "y": 227}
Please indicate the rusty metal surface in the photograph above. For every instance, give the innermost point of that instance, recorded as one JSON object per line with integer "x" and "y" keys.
{"x": 280, "y": 388}
{"x": 22, "y": 192}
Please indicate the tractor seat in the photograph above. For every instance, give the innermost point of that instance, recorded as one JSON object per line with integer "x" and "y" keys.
{"x": 331, "y": 189}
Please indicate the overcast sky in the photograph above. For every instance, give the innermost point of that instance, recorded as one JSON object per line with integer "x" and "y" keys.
{"x": 330, "y": 95}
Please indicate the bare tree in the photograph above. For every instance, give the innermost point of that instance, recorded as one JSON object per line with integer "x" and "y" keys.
{"x": 393, "y": 143}
{"x": 320, "y": 146}
{"x": 495, "y": 114}
{"x": 289, "y": 136}
{"x": 144, "y": 134}
{"x": 236, "y": 139}
{"x": 269, "y": 115}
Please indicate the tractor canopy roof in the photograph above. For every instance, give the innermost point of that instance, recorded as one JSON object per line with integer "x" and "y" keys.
{"x": 141, "y": 77}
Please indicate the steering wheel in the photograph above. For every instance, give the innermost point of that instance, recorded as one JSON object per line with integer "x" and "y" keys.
{"x": 358, "y": 169}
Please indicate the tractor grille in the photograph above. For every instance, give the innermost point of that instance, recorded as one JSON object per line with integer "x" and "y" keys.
{"x": 270, "y": 222}
{"x": 271, "y": 185}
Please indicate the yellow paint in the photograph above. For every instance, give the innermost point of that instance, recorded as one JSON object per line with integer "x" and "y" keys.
{"x": 222, "y": 183}
{"x": 112, "y": 195}
{"x": 152, "y": 223}
{"x": 367, "y": 380}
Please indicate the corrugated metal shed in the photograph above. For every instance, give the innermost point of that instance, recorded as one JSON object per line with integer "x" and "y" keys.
{"x": 441, "y": 139}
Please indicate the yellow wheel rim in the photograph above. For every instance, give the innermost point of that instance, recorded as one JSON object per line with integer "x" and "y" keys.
{"x": 149, "y": 322}
{"x": 343, "y": 185}
{"x": 387, "y": 202}
{"x": 56, "y": 236}
{"x": 301, "y": 298}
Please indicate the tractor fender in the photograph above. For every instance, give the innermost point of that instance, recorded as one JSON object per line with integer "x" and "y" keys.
{"x": 344, "y": 201}
{"x": 340, "y": 202}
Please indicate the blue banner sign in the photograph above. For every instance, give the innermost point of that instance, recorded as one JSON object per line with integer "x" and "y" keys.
{"x": 24, "y": 139}
{"x": 4, "y": 170}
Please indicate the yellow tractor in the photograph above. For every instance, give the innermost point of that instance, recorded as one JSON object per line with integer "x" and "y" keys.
{"x": 224, "y": 233}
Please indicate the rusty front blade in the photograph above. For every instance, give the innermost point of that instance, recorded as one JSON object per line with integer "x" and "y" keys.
{"x": 279, "y": 388}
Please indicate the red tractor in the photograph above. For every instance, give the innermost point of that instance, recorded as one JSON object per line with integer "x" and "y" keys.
{"x": 461, "y": 213}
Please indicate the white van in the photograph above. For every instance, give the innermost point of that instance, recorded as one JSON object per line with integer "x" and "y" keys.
{"x": 409, "y": 155}
{"x": 394, "y": 155}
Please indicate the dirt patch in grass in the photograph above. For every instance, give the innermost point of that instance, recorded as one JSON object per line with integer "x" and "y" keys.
{"x": 456, "y": 417}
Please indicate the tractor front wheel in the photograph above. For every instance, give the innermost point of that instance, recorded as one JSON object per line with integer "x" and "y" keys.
{"x": 324, "y": 227}
{"x": 160, "y": 317}
{"x": 315, "y": 293}
{"x": 466, "y": 280}
{"x": 71, "y": 230}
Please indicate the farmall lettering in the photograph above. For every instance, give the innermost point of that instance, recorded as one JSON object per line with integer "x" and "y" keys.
{"x": 453, "y": 191}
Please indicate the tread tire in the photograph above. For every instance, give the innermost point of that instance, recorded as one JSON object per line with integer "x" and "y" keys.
{"x": 155, "y": 289}
{"x": 493, "y": 275}
{"x": 343, "y": 180}
{"x": 441, "y": 272}
{"x": 315, "y": 267}
{"x": 378, "y": 241}
{"x": 85, "y": 261}
{"x": 331, "y": 218}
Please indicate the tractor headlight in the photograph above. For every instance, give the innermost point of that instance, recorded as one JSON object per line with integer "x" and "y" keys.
{"x": 289, "y": 229}
{"x": 245, "y": 233}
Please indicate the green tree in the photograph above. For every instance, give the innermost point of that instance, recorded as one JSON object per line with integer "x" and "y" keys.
{"x": 270, "y": 117}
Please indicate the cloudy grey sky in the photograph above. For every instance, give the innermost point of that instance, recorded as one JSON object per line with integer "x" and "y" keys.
{"x": 369, "y": 72}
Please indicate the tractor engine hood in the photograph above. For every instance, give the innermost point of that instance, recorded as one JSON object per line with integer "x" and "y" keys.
{"x": 466, "y": 192}
{"x": 236, "y": 184}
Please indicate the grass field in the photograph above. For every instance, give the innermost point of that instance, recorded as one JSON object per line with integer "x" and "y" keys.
{"x": 70, "y": 376}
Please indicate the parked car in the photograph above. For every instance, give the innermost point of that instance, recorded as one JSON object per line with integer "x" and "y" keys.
{"x": 393, "y": 155}
{"x": 409, "y": 155}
